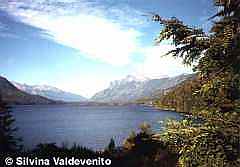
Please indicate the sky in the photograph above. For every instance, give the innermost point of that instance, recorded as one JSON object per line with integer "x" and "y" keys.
{"x": 81, "y": 46}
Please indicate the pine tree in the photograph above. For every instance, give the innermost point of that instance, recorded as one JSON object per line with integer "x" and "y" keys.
{"x": 111, "y": 146}
{"x": 216, "y": 59}
{"x": 217, "y": 54}
{"x": 8, "y": 141}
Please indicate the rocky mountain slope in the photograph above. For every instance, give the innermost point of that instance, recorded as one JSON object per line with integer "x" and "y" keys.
{"x": 131, "y": 89}
{"x": 50, "y": 92}
{"x": 12, "y": 95}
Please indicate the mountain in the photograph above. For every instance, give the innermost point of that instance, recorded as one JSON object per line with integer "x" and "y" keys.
{"x": 50, "y": 92}
{"x": 131, "y": 88}
{"x": 12, "y": 95}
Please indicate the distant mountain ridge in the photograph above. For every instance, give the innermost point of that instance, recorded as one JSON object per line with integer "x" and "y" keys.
{"x": 131, "y": 88}
{"x": 12, "y": 95}
{"x": 50, "y": 92}
{"x": 127, "y": 90}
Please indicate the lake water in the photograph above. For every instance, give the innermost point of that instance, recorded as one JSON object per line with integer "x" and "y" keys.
{"x": 90, "y": 126}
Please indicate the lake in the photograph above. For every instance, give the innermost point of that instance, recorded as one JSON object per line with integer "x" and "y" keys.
{"x": 90, "y": 126}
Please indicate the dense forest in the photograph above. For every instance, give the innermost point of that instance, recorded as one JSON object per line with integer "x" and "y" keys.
{"x": 181, "y": 98}
{"x": 213, "y": 96}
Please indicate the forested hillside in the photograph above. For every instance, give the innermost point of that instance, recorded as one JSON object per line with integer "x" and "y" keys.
{"x": 12, "y": 95}
{"x": 181, "y": 98}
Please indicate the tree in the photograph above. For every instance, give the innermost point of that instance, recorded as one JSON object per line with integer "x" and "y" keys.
{"x": 216, "y": 59}
{"x": 8, "y": 142}
{"x": 111, "y": 146}
{"x": 217, "y": 53}
{"x": 142, "y": 150}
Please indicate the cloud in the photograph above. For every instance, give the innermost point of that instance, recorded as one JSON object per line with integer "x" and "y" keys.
{"x": 156, "y": 65}
{"x": 106, "y": 35}
{"x": 84, "y": 85}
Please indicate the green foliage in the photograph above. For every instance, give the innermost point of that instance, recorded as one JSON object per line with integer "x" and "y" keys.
{"x": 210, "y": 144}
{"x": 51, "y": 150}
{"x": 8, "y": 141}
{"x": 145, "y": 128}
{"x": 214, "y": 95}
{"x": 144, "y": 150}
{"x": 111, "y": 146}
{"x": 217, "y": 53}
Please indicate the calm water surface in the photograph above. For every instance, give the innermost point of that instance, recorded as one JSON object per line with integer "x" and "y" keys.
{"x": 90, "y": 126}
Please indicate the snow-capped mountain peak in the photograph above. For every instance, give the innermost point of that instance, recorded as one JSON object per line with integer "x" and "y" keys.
{"x": 49, "y": 92}
{"x": 130, "y": 78}
{"x": 132, "y": 88}
{"x": 127, "y": 80}
{"x": 46, "y": 88}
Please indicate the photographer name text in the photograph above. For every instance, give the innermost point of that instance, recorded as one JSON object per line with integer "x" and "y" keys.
{"x": 57, "y": 161}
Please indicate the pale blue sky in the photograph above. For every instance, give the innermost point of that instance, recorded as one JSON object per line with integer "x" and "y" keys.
{"x": 80, "y": 46}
